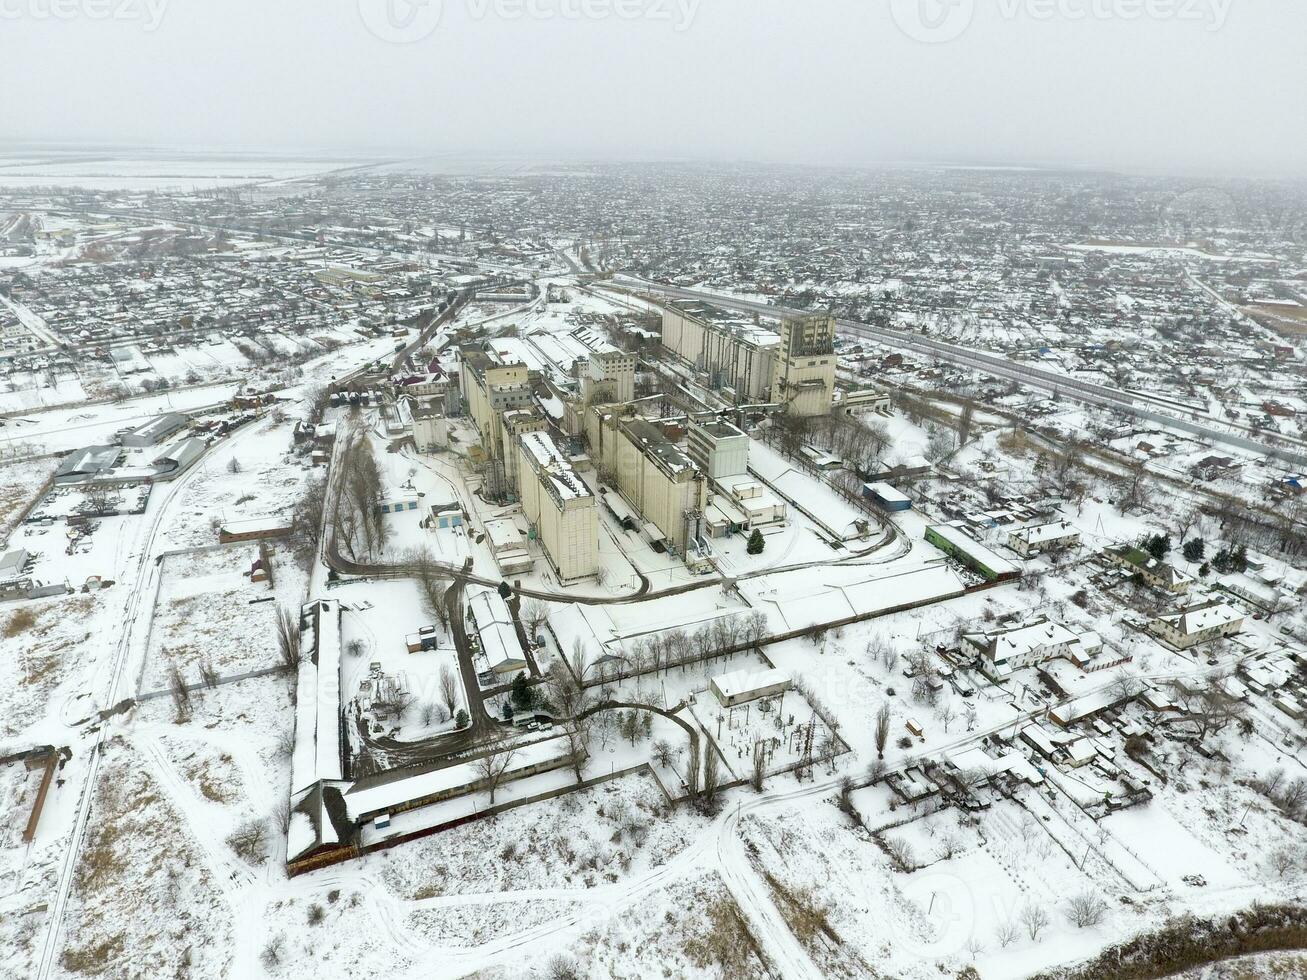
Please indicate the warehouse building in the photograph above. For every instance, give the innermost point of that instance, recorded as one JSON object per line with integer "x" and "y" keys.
{"x": 886, "y": 497}
{"x": 154, "y": 431}
{"x": 956, "y": 543}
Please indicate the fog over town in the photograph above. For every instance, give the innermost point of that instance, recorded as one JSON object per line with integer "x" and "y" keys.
{"x": 653, "y": 488}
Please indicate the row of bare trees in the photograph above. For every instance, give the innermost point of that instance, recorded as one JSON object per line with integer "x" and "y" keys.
{"x": 661, "y": 651}
{"x": 358, "y": 520}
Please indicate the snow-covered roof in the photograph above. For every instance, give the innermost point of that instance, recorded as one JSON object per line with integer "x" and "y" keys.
{"x": 317, "y": 754}
{"x": 742, "y": 682}
{"x": 1191, "y": 621}
{"x": 1040, "y": 533}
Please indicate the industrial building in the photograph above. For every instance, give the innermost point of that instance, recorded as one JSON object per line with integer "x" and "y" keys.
{"x": 609, "y": 375}
{"x": 498, "y": 398}
{"x": 956, "y": 543}
{"x": 430, "y": 428}
{"x": 739, "y": 502}
{"x": 718, "y": 449}
{"x": 735, "y": 351}
{"x": 177, "y": 457}
{"x": 804, "y": 379}
{"x": 87, "y": 464}
{"x": 560, "y": 508}
{"x": 749, "y": 685}
{"x": 508, "y": 547}
{"x": 154, "y": 431}
{"x": 886, "y": 497}
{"x": 657, "y": 479}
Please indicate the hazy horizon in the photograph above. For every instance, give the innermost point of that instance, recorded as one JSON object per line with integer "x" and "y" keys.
{"x": 1182, "y": 87}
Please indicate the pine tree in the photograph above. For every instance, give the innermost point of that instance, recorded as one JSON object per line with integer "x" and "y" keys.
{"x": 756, "y": 543}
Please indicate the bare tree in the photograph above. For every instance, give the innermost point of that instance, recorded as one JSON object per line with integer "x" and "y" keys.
{"x": 491, "y": 769}
{"x": 578, "y": 746}
{"x": 946, "y": 713}
{"x": 759, "y": 771}
{"x": 1085, "y": 909}
{"x": 431, "y": 586}
{"x": 288, "y": 638}
{"x": 1034, "y": 917}
{"x": 711, "y": 778}
{"x": 664, "y": 753}
{"x": 402, "y": 703}
{"x": 250, "y": 840}
{"x": 1284, "y": 859}
{"x": 882, "y": 729}
{"x": 181, "y": 695}
{"x": 449, "y": 688}
{"x": 1006, "y": 933}
{"x": 534, "y": 615}
{"x": 901, "y": 854}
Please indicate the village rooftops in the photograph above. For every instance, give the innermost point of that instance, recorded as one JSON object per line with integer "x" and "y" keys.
{"x": 1044, "y": 533}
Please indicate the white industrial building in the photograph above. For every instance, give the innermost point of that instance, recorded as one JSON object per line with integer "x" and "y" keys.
{"x": 718, "y": 448}
{"x": 500, "y": 651}
{"x": 154, "y": 431}
{"x": 430, "y": 428}
{"x": 731, "y": 348}
{"x": 749, "y": 685}
{"x": 608, "y": 376}
{"x": 508, "y": 546}
{"x": 560, "y": 507}
{"x": 658, "y": 480}
{"x": 739, "y": 501}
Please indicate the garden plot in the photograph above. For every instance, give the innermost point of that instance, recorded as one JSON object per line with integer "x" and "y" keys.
{"x": 585, "y": 839}
{"x": 42, "y": 644}
{"x": 19, "y": 483}
{"x": 692, "y": 928}
{"x": 378, "y": 620}
{"x": 786, "y": 728}
{"x": 144, "y": 903}
{"x": 208, "y": 611}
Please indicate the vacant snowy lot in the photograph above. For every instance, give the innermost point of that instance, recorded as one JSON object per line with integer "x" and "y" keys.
{"x": 210, "y": 612}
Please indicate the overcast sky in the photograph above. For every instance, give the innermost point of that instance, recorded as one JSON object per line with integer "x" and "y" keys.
{"x": 1161, "y": 85}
